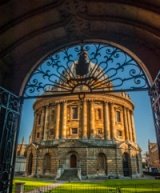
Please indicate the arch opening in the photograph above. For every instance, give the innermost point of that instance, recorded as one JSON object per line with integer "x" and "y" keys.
{"x": 99, "y": 66}
{"x": 55, "y": 77}
{"x": 47, "y": 164}
{"x": 101, "y": 164}
{"x": 73, "y": 161}
{"x": 126, "y": 165}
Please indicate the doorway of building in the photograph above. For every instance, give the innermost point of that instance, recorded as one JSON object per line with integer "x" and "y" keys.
{"x": 73, "y": 161}
{"x": 126, "y": 165}
{"x": 101, "y": 164}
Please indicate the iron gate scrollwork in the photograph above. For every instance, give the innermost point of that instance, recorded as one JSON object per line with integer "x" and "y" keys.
{"x": 155, "y": 102}
{"x": 9, "y": 120}
{"x": 101, "y": 67}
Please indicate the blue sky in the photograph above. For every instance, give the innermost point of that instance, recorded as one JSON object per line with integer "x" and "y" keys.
{"x": 143, "y": 119}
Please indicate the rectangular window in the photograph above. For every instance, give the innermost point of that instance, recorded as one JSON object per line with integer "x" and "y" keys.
{"x": 52, "y": 116}
{"x": 39, "y": 119}
{"x": 99, "y": 131}
{"x": 118, "y": 116}
{"x": 51, "y": 131}
{"x": 74, "y": 131}
{"x": 119, "y": 133}
{"x": 38, "y": 135}
{"x": 74, "y": 112}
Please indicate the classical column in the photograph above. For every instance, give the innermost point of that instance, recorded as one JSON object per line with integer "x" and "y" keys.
{"x": 129, "y": 125}
{"x": 125, "y": 124}
{"x": 64, "y": 119}
{"x": 84, "y": 119}
{"x": 57, "y": 127}
{"x": 107, "y": 135}
{"x": 46, "y": 124}
{"x": 113, "y": 130}
{"x": 43, "y": 122}
{"x": 34, "y": 127}
{"x": 92, "y": 120}
{"x": 133, "y": 127}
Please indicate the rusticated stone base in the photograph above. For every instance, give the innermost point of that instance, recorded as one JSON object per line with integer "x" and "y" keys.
{"x": 96, "y": 159}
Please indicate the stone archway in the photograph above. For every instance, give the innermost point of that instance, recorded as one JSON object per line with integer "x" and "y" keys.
{"x": 48, "y": 71}
{"x": 84, "y": 19}
{"x": 72, "y": 160}
{"x": 126, "y": 165}
{"x": 47, "y": 164}
{"x": 113, "y": 51}
{"x": 38, "y": 86}
{"x": 101, "y": 164}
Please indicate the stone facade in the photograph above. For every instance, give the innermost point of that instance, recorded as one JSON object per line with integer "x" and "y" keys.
{"x": 153, "y": 155}
{"x": 96, "y": 135}
{"x": 20, "y": 162}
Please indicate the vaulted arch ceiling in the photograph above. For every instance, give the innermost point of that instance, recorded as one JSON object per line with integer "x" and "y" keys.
{"x": 31, "y": 29}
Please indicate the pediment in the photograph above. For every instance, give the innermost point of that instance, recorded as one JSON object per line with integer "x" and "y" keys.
{"x": 128, "y": 145}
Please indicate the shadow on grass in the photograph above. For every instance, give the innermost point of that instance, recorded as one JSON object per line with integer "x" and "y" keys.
{"x": 110, "y": 187}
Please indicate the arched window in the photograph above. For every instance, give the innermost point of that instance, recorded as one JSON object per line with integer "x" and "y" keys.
{"x": 101, "y": 163}
{"x": 126, "y": 165}
{"x": 30, "y": 163}
{"x": 47, "y": 164}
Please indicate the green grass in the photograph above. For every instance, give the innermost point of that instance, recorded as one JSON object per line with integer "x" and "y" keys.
{"x": 108, "y": 186}
{"x": 31, "y": 183}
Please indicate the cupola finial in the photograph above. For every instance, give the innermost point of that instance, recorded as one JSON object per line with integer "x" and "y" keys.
{"x": 82, "y": 67}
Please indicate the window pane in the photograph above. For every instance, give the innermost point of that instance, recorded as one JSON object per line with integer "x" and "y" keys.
{"x": 74, "y": 112}
{"x": 118, "y": 116}
{"x": 39, "y": 119}
{"x": 74, "y": 130}
{"x": 98, "y": 114}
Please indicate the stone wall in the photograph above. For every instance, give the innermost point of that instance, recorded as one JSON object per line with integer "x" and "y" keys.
{"x": 87, "y": 160}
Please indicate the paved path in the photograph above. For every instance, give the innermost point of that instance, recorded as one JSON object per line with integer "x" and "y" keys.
{"x": 45, "y": 188}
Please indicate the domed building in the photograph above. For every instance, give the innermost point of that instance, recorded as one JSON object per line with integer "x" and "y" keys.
{"x": 88, "y": 134}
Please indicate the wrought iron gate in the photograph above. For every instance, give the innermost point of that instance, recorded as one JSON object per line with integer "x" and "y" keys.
{"x": 9, "y": 120}
{"x": 155, "y": 101}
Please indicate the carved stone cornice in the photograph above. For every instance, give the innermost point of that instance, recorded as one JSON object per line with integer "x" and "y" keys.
{"x": 109, "y": 98}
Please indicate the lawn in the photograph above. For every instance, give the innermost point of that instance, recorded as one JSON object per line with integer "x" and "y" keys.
{"x": 107, "y": 186}
{"x": 32, "y": 183}
{"x": 111, "y": 186}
